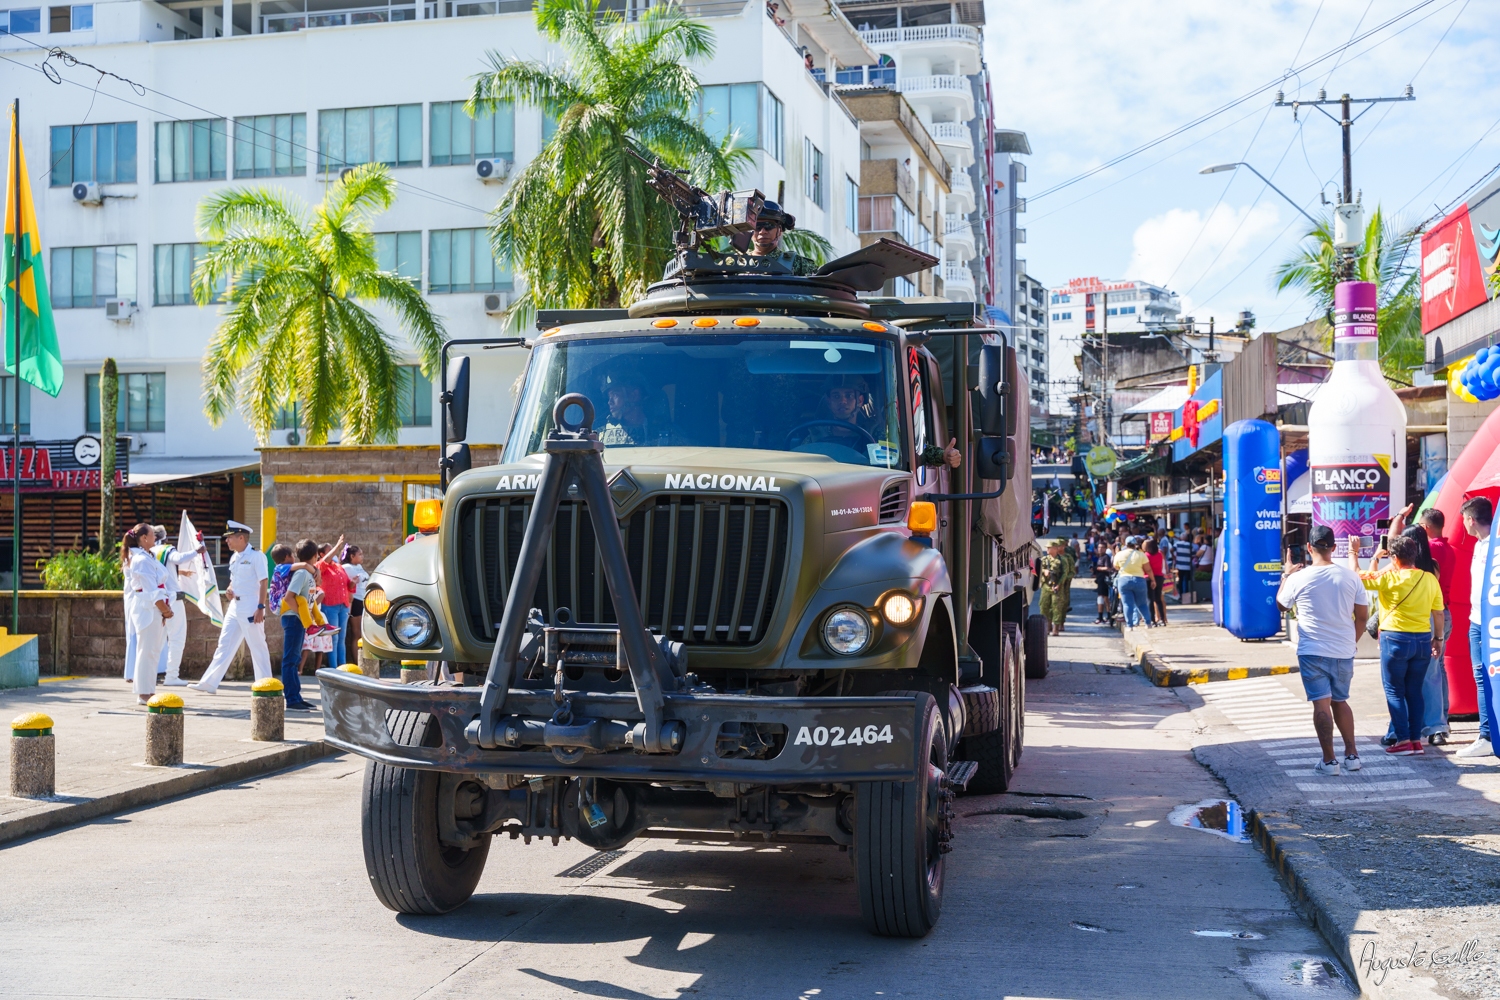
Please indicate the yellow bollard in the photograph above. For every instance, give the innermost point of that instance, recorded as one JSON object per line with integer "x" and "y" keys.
{"x": 267, "y": 710}
{"x": 413, "y": 671}
{"x": 33, "y": 757}
{"x": 164, "y": 730}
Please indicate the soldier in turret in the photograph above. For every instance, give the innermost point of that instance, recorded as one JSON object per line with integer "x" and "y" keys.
{"x": 766, "y": 240}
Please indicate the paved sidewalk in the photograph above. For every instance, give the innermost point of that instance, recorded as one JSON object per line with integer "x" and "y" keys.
{"x": 101, "y": 734}
{"x": 1191, "y": 649}
{"x": 1397, "y": 860}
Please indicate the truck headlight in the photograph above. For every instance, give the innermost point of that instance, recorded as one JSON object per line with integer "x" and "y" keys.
{"x": 846, "y": 631}
{"x": 411, "y": 625}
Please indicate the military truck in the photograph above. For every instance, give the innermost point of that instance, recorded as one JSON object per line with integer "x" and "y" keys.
{"x": 726, "y": 584}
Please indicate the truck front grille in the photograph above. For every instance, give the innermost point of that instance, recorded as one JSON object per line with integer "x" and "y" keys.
{"x": 707, "y": 570}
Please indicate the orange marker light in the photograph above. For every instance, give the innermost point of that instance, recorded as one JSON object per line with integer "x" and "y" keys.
{"x": 427, "y": 515}
{"x": 555, "y": 329}
{"x": 747, "y": 321}
{"x": 874, "y": 327}
{"x": 664, "y": 324}
{"x": 921, "y": 519}
{"x": 705, "y": 321}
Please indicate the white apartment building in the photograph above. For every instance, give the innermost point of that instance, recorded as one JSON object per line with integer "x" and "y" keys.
{"x": 1087, "y": 306}
{"x": 932, "y": 54}
{"x": 1031, "y": 336}
{"x": 290, "y": 93}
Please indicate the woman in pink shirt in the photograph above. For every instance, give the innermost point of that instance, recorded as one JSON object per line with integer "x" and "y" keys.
{"x": 337, "y": 592}
{"x": 1156, "y": 601}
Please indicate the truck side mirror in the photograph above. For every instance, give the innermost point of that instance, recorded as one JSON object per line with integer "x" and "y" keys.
{"x": 456, "y": 399}
{"x": 456, "y": 461}
{"x": 992, "y": 459}
{"x": 994, "y": 390}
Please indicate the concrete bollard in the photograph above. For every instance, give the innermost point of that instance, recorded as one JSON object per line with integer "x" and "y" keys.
{"x": 267, "y": 710}
{"x": 413, "y": 671}
{"x": 164, "y": 730}
{"x": 33, "y": 757}
{"x": 369, "y": 664}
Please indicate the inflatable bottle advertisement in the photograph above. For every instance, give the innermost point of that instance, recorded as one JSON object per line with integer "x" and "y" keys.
{"x": 1251, "y": 558}
{"x": 1356, "y": 430}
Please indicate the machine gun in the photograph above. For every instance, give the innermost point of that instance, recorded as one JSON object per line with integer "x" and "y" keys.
{"x": 730, "y": 213}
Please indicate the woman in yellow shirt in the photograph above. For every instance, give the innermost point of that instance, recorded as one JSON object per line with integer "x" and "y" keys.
{"x": 1411, "y": 609}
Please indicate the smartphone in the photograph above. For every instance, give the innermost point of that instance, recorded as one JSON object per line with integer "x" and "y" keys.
{"x": 1383, "y": 524}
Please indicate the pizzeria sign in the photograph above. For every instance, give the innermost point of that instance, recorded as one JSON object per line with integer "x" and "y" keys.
{"x": 54, "y": 466}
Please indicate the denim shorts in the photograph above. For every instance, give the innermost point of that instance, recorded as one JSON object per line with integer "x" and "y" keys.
{"x": 1326, "y": 676}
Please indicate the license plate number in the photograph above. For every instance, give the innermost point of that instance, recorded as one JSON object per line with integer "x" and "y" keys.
{"x": 838, "y": 736}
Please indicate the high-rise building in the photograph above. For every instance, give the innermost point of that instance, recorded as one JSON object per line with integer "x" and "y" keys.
{"x": 285, "y": 94}
{"x": 1088, "y": 306}
{"x": 932, "y": 55}
{"x": 1030, "y": 320}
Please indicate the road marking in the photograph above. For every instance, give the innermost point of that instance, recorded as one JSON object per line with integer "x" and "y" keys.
{"x": 1377, "y": 798}
{"x": 1367, "y": 769}
{"x": 1315, "y": 786}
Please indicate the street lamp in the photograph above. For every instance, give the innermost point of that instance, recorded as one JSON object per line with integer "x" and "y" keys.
{"x": 1219, "y": 168}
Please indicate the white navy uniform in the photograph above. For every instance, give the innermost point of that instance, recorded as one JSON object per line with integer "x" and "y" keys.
{"x": 170, "y": 559}
{"x": 246, "y": 571}
{"x": 145, "y": 584}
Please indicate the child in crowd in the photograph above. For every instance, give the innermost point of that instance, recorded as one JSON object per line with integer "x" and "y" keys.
{"x": 298, "y": 615}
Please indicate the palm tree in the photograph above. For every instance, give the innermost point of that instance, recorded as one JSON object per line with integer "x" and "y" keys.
{"x": 295, "y": 330}
{"x": 580, "y": 222}
{"x": 1388, "y": 261}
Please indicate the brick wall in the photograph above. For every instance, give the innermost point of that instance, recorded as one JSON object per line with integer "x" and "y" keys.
{"x": 324, "y": 492}
{"x": 83, "y": 632}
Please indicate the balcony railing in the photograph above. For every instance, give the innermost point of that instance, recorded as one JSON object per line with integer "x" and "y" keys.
{"x": 950, "y": 132}
{"x": 919, "y": 84}
{"x": 922, "y": 33}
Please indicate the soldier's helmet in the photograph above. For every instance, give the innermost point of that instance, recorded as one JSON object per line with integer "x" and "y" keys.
{"x": 772, "y": 212}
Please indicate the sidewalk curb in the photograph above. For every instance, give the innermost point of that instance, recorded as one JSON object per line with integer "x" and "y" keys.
{"x": 69, "y": 813}
{"x": 1151, "y": 663}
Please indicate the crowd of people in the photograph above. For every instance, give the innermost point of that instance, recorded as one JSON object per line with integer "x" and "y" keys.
{"x": 1135, "y": 570}
{"x": 315, "y": 591}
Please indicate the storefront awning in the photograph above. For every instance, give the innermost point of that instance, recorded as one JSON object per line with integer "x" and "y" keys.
{"x": 1175, "y": 501}
{"x": 148, "y": 470}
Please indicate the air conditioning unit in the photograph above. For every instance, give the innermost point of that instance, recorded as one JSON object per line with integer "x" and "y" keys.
{"x": 491, "y": 171}
{"x": 496, "y": 303}
{"x": 87, "y": 193}
{"x": 119, "y": 310}
{"x": 137, "y": 443}
{"x": 293, "y": 438}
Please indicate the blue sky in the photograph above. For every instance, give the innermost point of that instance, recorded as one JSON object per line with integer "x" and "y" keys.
{"x": 1088, "y": 80}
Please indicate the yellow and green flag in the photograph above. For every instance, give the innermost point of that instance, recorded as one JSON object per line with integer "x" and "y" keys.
{"x": 25, "y": 282}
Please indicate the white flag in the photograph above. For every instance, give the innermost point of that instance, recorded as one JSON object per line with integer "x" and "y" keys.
{"x": 202, "y": 587}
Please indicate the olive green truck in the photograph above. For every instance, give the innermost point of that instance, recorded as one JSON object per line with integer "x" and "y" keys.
{"x": 730, "y": 582}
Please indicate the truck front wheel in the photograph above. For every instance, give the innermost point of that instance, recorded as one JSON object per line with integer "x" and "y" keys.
{"x": 900, "y": 836}
{"x": 411, "y": 868}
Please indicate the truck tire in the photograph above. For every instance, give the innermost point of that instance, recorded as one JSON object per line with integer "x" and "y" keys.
{"x": 995, "y": 751}
{"x": 981, "y": 710}
{"x": 1018, "y": 709}
{"x": 1036, "y": 648}
{"x": 901, "y": 830}
{"x": 410, "y": 868}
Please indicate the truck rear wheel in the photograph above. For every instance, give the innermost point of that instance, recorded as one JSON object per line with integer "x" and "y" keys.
{"x": 1036, "y": 648}
{"x": 411, "y": 869}
{"x": 901, "y": 832}
{"x": 995, "y": 751}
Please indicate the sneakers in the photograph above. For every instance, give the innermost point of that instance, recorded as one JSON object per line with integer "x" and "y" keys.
{"x": 1479, "y": 748}
{"x": 1409, "y": 748}
{"x": 1437, "y": 739}
{"x": 174, "y": 682}
{"x": 195, "y": 686}
{"x": 303, "y": 706}
{"x": 1352, "y": 764}
{"x": 1387, "y": 741}
{"x": 1328, "y": 767}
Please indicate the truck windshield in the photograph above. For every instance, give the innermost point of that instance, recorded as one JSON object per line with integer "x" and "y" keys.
{"x": 834, "y": 396}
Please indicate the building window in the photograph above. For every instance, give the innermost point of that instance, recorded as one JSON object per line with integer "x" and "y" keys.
{"x": 21, "y": 22}
{"x": 456, "y": 138}
{"x": 748, "y": 109}
{"x": 459, "y": 260}
{"x": 906, "y": 223}
{"x": 294, "y": 15}
{"x": 813, "y": 178}
{"x": 414, "y": 398}
{"x": 190, "y": 151}
{"x": 86, "y": 277}
{"x": 270, "y": 146}
{"x": 391, "y": 135}
{"x": 145, "y": 401}
{"x": 172, "y": 274}
{"x": 401, "y": 253}
{"x": 851, "y": 204}
{"x": 883, "y": 73}
{"x": 91, "y": 404}
{"x": 79, "y": 17}
{"x": 288, "y": 418}
{"x": 102, "y": 153}
{"x": 905, "y": 288}
{"x": 8, "y": 402}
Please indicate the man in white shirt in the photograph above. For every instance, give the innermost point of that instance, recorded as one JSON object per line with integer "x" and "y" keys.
{"x": 172, "y": 560}
{"x": 1477, "y": 514}
{"x": 245, "y": 616}
{"x": 1332, "y": 608}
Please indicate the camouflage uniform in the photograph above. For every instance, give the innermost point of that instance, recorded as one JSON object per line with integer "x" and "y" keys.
{"x": 1055, "y": 580}
{"x": 1067, "y": 588}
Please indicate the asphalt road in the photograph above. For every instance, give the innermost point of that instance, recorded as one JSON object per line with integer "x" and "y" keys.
{"x": 1076, "y": 887}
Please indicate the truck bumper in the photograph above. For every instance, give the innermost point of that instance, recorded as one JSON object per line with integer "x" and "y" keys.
{"x": 817, "y": 747}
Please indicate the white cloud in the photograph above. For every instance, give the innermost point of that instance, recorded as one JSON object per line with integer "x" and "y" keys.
{"x": 1186, "y": 251}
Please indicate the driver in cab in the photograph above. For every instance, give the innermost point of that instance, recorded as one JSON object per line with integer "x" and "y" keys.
{"x": 628, "y": 422}
{"x": 842, "y": 416}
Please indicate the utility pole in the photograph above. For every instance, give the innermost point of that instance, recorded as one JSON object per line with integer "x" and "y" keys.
{"x": 1348, "y": 217}
{"x": 1104, "y": 365}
